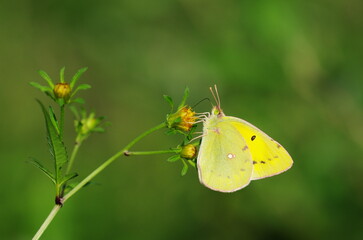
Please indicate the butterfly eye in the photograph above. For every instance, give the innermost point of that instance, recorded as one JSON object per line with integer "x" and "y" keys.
{"x": 253, "y": 137}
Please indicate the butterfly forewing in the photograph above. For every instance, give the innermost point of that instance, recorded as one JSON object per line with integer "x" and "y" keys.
{"x": 268, "y": 156}
{"x": 224, "y": 164}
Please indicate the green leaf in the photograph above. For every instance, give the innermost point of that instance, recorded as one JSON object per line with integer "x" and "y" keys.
{"x": 74, "y": 110}
{"x": 56, "y": 146}
{"x": 173, "y": 158}
{"x": 81, "y": 87}
{"x": 53, "y": 119}
{"x": 40, "y": 87}
{"x": 170, "y": 101}
{"x": 43, "y": 169}
{"x": 61, "y": 74}
{"x": 174, "y": 131}
{"x": 46, "y": 77}
{"x": 185, "y": 168}
{"x": 186, "y": 95}
{"x": 68, "y": 177}
{"x": 77, "y": 76}
{"x": 171, "y": 131}
{"x": 98, "y": 129}
{"x": 72, "y": 185}
{"x": 78, "y": 100}
{"x": 51, "y": 95}
{"x": 192, "y": 163}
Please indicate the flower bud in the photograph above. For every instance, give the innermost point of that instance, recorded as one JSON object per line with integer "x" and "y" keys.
{"x": 88, "y": 124}
{"x": 183, "y": 119}
{"x": 62, "y": 90}
{"x": 188, "y": 151}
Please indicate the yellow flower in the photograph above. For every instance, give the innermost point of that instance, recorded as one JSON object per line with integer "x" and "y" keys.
{"x": 183, "y": 119}
{"x": 62, "y": 90}
{"x": 188, "y": 151}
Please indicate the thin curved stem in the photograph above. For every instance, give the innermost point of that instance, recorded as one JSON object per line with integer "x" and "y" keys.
{"x": 133, "y": 142}
{"x": 73, "y": 155}
{"x": 149, "y": 152}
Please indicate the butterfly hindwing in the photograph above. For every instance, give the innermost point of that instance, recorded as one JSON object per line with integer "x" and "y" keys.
{"x": 224, "y": 164}
{"x": 268, "y": 156}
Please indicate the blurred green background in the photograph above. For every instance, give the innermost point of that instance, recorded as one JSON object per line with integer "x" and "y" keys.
{"x": 292, "y": 68}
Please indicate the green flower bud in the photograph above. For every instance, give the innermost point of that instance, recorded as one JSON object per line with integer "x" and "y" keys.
{"x": 88, "y": 124}
{"x": 188, "y": 151}
{"x": 62, "y": 90}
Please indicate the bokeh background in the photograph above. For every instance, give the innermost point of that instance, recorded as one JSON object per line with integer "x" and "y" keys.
{"x": 292, "y": 68}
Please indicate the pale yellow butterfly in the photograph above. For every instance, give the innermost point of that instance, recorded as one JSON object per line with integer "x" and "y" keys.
{"x": 233, "y": 152}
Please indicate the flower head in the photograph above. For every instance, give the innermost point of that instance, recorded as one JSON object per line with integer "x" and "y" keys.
{"x": 183, "y": 119}
{"x": 89, "y": 123}
{"x": 188, "y": 151}
{"x": 62, "y": 90}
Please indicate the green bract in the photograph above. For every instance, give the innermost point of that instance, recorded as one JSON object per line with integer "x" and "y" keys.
{"x": 62, "y": 92}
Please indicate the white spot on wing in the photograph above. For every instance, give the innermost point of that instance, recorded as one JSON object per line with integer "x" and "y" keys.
{"x": 230, "y": 155}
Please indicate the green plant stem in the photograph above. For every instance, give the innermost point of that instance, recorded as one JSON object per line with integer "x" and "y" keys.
{"x": 149, "y": 152}
{"x": 151, "y": 130}
{"x": 47, "y": 221}
{"x": 61, "y": 122}
{"x": 73, "y": 155}
{"x": 86, "y": 180}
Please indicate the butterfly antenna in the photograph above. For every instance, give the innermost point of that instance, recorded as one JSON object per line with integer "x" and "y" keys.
{"x": 216, "y": 97}
{"x": 204, "y": 99}
{"x": 219, "y": 100}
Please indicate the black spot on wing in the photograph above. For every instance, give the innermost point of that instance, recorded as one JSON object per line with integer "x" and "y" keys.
{"x": 253, "y": 137}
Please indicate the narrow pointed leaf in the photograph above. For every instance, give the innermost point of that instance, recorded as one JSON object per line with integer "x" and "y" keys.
{"x": 81, "y": 87}
{"x": 51, "y": 95}
{"x": 77, "y": 76}
{"x": 68, "y": 177}
{"x": 43, "y": 169}
{"x": 186, "y": 95}
{"x": 78, "y": 100}
{"x": 185, "y": 168}
{"x": 170, "y": 101}
{"x": 72, "y": 185}
{"x": 46, "y": 77}
{"x": 56, "y": 146}
{"x": 192, "y": 163}
{"x": 61, "y": 74}
{"x": 171, "y": 132}
{"x": 98, "y": 129}
{"x": 53, "y": 119}
{"x": 173, "y": 158}
{"x": 40, "y": 87}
